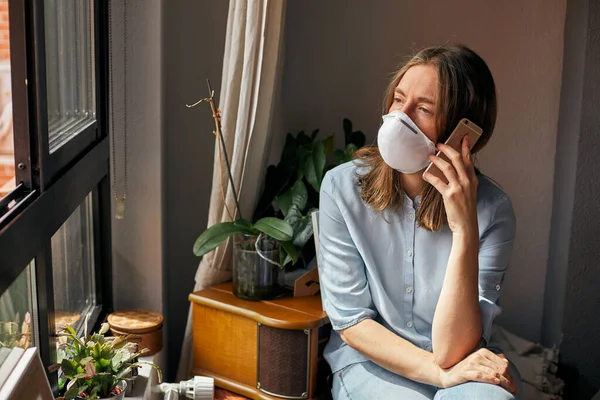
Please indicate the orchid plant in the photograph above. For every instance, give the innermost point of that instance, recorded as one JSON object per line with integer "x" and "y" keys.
{"x": 94, "y": 364}
{"x": 275, "y": 228}
{"x": 290, "y": 194}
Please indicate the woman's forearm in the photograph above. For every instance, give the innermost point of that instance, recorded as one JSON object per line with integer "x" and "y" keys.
{"x": 456, "y": 328}
{"x": 392, "y": 352}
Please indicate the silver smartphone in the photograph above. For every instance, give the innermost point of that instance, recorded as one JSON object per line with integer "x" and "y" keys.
{"x": 464, "y": 128}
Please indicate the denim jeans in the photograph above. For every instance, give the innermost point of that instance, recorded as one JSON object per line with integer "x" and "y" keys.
{"x": 368, "y": 381}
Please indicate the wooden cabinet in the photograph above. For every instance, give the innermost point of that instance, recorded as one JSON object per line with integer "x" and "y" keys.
{"x": 264, "y": 350}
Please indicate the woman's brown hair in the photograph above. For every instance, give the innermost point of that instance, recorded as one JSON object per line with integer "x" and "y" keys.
{"x": 466, "y": 90}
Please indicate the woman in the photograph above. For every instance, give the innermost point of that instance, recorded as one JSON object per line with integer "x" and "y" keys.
{"x": 411, "y": 267}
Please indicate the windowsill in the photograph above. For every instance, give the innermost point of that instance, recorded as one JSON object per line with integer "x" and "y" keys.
{"x": 147, "y": 378}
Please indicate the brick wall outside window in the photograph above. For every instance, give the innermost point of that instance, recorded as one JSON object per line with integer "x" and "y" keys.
{"x": 7, "y": 168}
{"x": 4, "y": 35}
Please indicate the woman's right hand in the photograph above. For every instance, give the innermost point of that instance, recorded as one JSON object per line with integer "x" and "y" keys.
{"x": 480, "y": 366}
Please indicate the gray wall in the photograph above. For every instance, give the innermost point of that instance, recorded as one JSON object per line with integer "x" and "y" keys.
{"x": 137, "y": 250}
{"x": 581, "y": 325}
{"x": 569, "y": 125}
{"x": 137, "y": 240}
{"x": 193, "y": 45}
{"x": 338, "y": 58}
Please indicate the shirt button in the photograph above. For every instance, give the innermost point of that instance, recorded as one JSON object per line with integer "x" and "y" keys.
{"x": 497, "y": 287}
{"x": 411, "y": 216}
{"x": 409, "y": 253}
{"x": 409, "y": 289}
{"x": 409, "y": 324}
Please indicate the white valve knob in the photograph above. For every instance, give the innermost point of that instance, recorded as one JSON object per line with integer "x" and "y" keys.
{"x": 198, "y": 388}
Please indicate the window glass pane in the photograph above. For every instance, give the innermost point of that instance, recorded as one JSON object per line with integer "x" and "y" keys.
{"x": 73, "y": 268}
{"x": 7, "y": 158}
{"x": 16, "y": 314}
{"x": 70, "y": 82}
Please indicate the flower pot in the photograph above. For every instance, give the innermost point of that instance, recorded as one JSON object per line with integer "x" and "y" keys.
{"x": 121, "y": 385}
{"x": 256, "y": 273}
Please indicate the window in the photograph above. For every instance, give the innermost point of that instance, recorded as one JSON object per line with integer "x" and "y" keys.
{"x": 73, "y": 269}
{"x": 16, "y": 314}
{"x": 56, "y": 208}
{"x": 69, "y": 73}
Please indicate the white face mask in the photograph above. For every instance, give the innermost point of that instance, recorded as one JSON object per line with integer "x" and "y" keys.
{"x": 402, "y": 145}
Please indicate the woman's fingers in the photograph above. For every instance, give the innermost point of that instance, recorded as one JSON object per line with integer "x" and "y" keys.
{"x": 467, "y": 157}
{"x": 499, "y": 363}
{"x": 507, "y": 384}
{"x": 503, "y": 379}
{"x": 483, "y": 374}
{"x": 508, "y": 375}
{"x": 446, "y": 168}
{"x": 478, "y": 367}
{"x": 436, "y": 182}
{"x": 457, "y": 160}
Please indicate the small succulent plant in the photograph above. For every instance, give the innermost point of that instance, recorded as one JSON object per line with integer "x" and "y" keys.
{"x": 94, "y": 364}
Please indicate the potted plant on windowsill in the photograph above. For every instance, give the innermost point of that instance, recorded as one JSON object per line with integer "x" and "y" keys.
{"x": 283, "y": 226}
{"x": 97, "y": 366}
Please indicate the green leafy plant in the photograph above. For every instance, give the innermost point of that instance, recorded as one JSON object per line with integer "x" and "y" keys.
{"x": 290, "y": 195}
{"x": 292, "y": 186}
{"x": 93, "y": 365}
{"x": 291, "y": 191}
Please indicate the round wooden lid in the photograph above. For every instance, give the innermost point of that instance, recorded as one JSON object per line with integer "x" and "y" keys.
{"x": 135, "y": 321}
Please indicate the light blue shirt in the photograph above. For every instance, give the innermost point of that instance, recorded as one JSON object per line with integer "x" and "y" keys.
{"x": 384, "y": 266}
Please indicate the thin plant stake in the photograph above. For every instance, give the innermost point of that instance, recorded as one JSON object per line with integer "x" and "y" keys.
{"x": 217, "y": 117}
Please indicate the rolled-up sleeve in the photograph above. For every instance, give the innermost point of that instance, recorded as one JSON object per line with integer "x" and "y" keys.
{"x": 495, "y": 248}
{"x": 344, "y": 286}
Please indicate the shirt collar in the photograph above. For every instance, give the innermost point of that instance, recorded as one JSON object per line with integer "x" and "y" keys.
{"x": 416, "y": 203}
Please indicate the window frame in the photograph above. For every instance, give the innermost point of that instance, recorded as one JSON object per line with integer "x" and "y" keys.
{"x": 52, "y": 164}
{"x": 50, "y": 187}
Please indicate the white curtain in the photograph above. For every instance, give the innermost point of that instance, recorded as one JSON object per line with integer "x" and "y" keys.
{"x": 250, "y": 73}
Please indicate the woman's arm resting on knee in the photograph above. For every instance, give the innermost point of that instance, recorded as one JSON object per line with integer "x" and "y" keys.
{"x": 403, "y": 358}
{"x": 468, "y": 301}
{"x": 392, "y": 352}
{"x": 456, "y": 328}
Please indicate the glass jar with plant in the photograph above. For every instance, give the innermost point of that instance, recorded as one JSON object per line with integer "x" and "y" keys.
{"x": 96, "y": 366}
